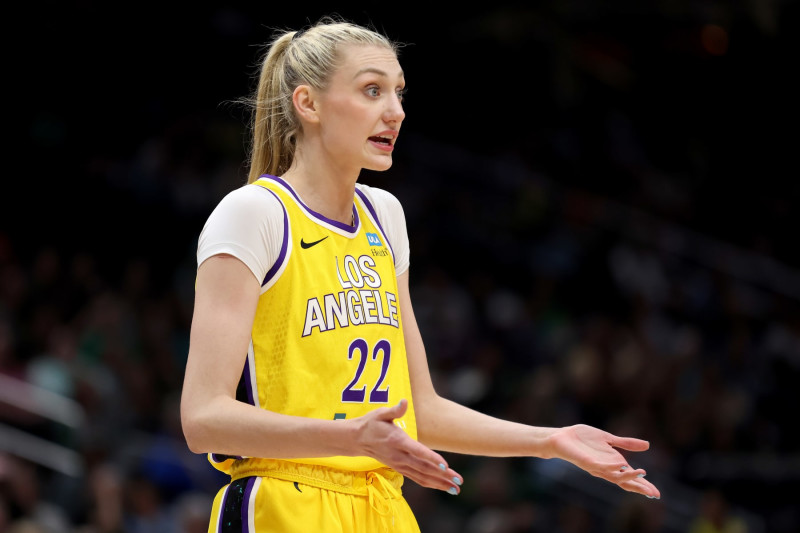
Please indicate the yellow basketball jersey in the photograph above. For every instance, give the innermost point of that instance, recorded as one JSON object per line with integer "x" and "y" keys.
{"x": 327, "y": 339}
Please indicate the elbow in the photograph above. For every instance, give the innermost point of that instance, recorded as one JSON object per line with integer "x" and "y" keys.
{"x": 195, "y": 431}
{"x": 193, "y": 440}
{"x": 426, "y": 401}
{"x": 426, "y": 410}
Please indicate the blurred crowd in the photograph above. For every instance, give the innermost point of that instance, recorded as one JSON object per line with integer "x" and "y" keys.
{"x": 570, "y": 276}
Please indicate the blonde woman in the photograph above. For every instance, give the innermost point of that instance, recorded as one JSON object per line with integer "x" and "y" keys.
{"x": 307, "y": 379}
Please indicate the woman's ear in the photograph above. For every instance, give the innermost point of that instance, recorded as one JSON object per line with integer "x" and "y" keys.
{"x": 305, "y": 104}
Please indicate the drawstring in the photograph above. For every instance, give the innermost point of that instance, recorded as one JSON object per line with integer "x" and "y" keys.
{"x": 381, "y": 498}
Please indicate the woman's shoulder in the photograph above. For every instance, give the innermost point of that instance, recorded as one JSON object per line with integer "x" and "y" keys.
{"x": 381, "y": 198}
{"x": 250, "y": 200}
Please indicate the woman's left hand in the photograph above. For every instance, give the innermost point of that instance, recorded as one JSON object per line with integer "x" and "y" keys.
{"x": 594, "y": 450}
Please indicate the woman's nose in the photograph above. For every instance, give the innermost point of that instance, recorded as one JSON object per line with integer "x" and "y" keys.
{"x": 394, "y": 111}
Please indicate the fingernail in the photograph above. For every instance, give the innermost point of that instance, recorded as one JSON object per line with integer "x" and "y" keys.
{"x": 623, "y": 468}
{"x": 453, "y": 491}
{"x": 441, "y": 465}
{"x": 457, "y": 481}
{"x": 640, "y": 475}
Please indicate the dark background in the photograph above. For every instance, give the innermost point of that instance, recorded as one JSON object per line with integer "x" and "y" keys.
{"x": 601, "y": 200}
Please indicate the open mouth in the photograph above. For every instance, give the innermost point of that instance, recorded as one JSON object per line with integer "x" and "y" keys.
{"x": 387, "y": 141}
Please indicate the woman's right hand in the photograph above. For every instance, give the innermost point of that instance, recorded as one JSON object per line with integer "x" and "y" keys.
{"x": 379, "y": 437}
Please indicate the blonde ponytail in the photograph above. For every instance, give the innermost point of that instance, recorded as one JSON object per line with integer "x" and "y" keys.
{"x": 307, "y": 57}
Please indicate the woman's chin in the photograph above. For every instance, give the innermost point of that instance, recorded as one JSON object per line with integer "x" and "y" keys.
{"x": 379, "y": 166}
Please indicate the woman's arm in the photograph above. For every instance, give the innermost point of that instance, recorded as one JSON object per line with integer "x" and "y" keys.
{"x": 447, "y": 426}
{"x": 226, "y": 295}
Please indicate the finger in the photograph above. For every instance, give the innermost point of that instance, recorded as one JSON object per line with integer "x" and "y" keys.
{"x": 431, "y": 467}
{"x": 426, "y": 460}
{"x": 611, "y": 468}
{"x": 415, "y": 460}
{"x": 617, "y": 472}
{"x": 627, "y": 473}
{"x": 434, "y": 482}
{"x": 396, "y": 411}
{"x": 410, "y": 450}
{"x": 436, "y": 477}
{"x": 642, "y": 487}
{"x": 629, "y": 443}
{"x": 418, "y": 451}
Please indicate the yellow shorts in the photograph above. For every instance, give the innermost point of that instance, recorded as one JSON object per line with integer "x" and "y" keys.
{"x": 287, "y": 497}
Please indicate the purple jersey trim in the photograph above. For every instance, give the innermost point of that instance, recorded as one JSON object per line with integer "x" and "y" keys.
{"x": 221, "y": 458}
{"x": 344, "y": 227}
{"x": 248, "y": 384}
{"x": 281, "y": 256}
{"x": 372, "y": 212}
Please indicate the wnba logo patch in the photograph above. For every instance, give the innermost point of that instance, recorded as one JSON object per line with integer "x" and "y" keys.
{"x": 373, "y": 239}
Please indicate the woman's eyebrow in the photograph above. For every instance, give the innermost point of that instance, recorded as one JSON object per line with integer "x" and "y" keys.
{"x": 374, "y": 70}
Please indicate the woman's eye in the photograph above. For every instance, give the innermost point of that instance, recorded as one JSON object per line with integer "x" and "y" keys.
{"x": 401, "y": 94}
{"x": 373, "y": 91}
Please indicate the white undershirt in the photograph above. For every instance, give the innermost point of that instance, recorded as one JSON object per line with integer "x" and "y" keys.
{"x": 248, "y": 224}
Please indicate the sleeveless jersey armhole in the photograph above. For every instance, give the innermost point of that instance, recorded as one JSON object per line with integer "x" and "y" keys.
{"x": 388, "y": 212}
{"x": 279, "y": 264}
{"x": 250, "y": 224}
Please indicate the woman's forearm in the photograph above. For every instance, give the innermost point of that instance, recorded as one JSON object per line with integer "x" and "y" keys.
{"x": 227, "y": 426}
{"x": 448, "y": 426}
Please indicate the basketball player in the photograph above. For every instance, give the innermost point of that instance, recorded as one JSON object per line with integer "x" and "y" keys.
{"x": 307, "y": 378}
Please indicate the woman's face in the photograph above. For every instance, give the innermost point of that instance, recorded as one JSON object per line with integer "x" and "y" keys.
{"x": 361, "y": 109}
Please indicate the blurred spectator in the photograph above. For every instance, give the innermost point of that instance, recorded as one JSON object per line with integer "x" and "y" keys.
{"x": 193, "y": 510}
{"x": 105, "y": 508}
{"x": 25, "y": 506}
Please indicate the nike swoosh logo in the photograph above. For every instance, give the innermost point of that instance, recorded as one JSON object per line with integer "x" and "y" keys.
{"x": 304, "y": 244}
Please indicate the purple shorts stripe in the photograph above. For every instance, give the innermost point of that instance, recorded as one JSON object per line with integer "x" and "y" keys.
{"x": 222, "y": 506}
{"x": 234, "y": 507}
{"x": 248, "y": 489}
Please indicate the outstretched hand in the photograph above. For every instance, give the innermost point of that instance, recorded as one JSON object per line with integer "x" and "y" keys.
{"x": 380, "y": 438}
{"x": 594, "y": 450}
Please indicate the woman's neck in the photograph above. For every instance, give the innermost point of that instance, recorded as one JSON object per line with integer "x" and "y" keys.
{"x": 328, "y": 194}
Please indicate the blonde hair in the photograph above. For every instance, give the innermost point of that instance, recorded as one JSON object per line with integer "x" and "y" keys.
{"x": 305, "y": 57}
